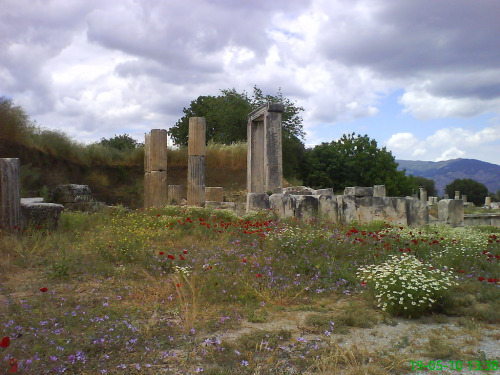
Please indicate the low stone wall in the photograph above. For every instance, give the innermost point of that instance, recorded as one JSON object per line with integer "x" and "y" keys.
{"x": 35, "y": 212}
{"x": 482, "y": 219}
{"x": 358, "y": 205}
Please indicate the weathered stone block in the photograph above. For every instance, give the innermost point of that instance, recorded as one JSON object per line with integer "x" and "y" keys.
{"x": 196, "y": 140}
{"x": 283, "y": 204}
{"x": 155, "y": 189}
{"x": 379, "y": 191}
{"x": 196, "y": 180}
{"x": 328, "y": 208}
{"x": 359, "y": 191}
{"x": 417, "y": 212}
{"x": 72, "y": 193}
{"x": 257, "y": 201}
{"x": 214, "y": 194}
{"x": 487, "y": 201}
{"x": 379, "y": 208}
{"x": 306, "y": 206}
{"x": 41, "y": 214}
{"x": 451, "y": 211}
{"x": 327, "y": 191}
{"x": 298, "y": 190}
{"x": 155, "y": 150}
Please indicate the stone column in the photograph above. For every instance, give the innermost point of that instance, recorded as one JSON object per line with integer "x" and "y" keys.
{"x": 487, "y": 201}
{"x": 457, "y": 194}
{"x": 464, "y": 198}
{"x": 174, "y": 194}
{"x": 10, "y": 193}
{"x": 423, "y": 195}
{"x": 196, "y": 162}
{"x": 155, "y": 169}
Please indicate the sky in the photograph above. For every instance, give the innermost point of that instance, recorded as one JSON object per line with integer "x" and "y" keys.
{"x": 421, "y": 77}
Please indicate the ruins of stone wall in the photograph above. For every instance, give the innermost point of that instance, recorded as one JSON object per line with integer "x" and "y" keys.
{"x": 358, "y": 204}
{"x": 451, "y": 211}
{"x": 155, "y": 169}
{"x": 196, "y": 162}
{"x": 10, "y": 193}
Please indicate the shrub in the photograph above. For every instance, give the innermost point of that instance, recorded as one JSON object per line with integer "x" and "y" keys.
{"x": 405, "y": 286}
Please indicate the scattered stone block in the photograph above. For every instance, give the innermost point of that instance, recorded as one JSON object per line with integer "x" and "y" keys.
{"x": 72, "y": 193}
{"x": 306, "y": 206}
{"x": 359, "y": 191}
{"x": 327, "y": 191}
{"x": 417, "y": 212}
{"x": 40, "y": 214}
{"x": 298, "y": 190}
{"x": 451, "y": 211}
{"x": 283, "y": 204}
{"x": 328, "y": 208}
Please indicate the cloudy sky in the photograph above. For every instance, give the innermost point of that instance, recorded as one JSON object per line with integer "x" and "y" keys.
{"x": 422, "y": 77}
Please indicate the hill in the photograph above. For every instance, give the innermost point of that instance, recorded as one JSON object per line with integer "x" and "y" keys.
{"x": 444, "y": 172}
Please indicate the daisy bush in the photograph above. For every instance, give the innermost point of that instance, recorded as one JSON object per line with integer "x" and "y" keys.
{"x": 403, "y": 285}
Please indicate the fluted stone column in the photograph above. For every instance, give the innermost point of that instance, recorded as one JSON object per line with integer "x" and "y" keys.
{"x": 155, "y": 169}
{"x": 196, "y": 162}
{"x": 10, "y": 193}
{"x": 423, "y": 195}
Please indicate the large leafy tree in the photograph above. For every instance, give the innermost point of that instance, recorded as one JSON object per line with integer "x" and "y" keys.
{"x": 427, "y": 183}
{"x": 353, "y": 160}
{"x": 226, "y": 119}
{"x": 475, "y": 191}
{"x": 121, "y": 142}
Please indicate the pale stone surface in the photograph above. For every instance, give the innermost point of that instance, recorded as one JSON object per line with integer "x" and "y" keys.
{"x": 379, "y": 191}
{"x": 328, "y": 191}
{"x": 487, "y": 201}
{"x": 298, "y": 190}
{"x": 446, "y": 196}
{"x": 257, "y": 201}
{"x": 214, "y": 194}
{"x": 174, "y": 194}
{"x": 197, "y": 136}
{"x": 31, "y": 200}
{"x": 72, "y": 193}
{"x": 328, "y": 208}
{"x": 283, "y": 204}
{"x": 196, "y": 180}
{"x": 451, "y": 211}
{"x": 495, "y": 205}
{"x": 347, "y": 206}
{"x": 418, "y": 213}
{"x": 457, "y": 194}
{"x": 464, "y": 198}
{"x": 264, "y": 158}
{"x": 155, "y": 189}
{"x": 155, "y": 150}
{"x": 10, "y": 193}
{"x": 423, "y": 195}
{"x": 306, "y": 206}
{"x": 359, "y": 191}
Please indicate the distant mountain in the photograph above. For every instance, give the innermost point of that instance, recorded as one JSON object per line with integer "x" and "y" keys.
{"x": 444, "y": 172}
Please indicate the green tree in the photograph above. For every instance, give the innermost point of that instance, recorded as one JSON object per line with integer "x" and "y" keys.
{"x": 15, "y": 124}
{"x": 475, "y": 191}
{"x": 226, "y": 119}
{"x": 353, "y": 160}
{"x": 427, "y": 183}
{"x": 121, "y": 142}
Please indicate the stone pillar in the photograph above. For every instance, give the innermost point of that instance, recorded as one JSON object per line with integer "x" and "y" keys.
{"x": 155, "y": 169}
{"x": 487, "y": 201}
{"x": 264, "y": 158}
{"x": 214, "y": 194}
{"x": 446, "y": 196}
{"x": 430, "y": 201}
{"x": 464, "y": 198}
{"x": 10, "y": 193}
{"x": 457, "y": 194}
{"x": 174, "y": 194}
{"x": 451, "y": 211}
{"x": 196, "y": 162}
{"x": 423, "y": 195}
{"x": 379, "y": 191}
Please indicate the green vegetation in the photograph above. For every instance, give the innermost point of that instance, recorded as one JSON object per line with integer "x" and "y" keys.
{"x": 474, "y": 190}
{"x": 186, "y": 290}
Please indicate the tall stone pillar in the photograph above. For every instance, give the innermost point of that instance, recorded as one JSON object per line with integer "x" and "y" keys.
{"x": 264, "y": 158}
{"x": 196, "y": 162}
{"x": 464, "y": 198}
{"x": 487, "y": 201}
{"x": 423, "y": 195}
{"x": 10, "y": 193}
{"x": 457, "y": 194}
{"x": 155, "y": 169}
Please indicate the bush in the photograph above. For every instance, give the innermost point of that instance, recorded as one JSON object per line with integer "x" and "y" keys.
{"x": 405, "y": 286}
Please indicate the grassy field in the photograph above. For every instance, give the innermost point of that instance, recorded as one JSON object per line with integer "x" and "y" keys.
{"x": 183, "y": 291}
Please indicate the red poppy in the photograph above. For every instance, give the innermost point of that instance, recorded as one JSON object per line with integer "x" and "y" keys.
{"x": 259, "y": 275}
{"x": 244, "y": 260}
{"x": 178, "y": 285}
{"x": 462, "y": 271}
{"x": 43, "y": 290}
{"x": 161, "y": 253}
{"x": 182, "y": 258}
{"x": 376, "y": 255}
{"x": 363, "y": 283}
{"x": 5, "y": 342}
{"x": 13, "y": 365}
{"x": 480, "y": 278}
{"x": 170, "y": 256}
{"x": 185, "y": 251}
